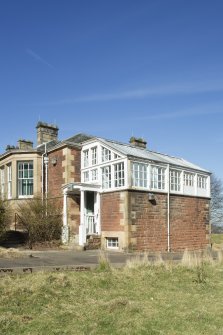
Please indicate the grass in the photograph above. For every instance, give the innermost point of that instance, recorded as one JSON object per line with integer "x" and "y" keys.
{"x": 217, "y": 241}
{"x": 141, "y": 298}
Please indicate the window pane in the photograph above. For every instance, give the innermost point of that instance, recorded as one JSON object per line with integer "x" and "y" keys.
{"x": 25, "y": 178}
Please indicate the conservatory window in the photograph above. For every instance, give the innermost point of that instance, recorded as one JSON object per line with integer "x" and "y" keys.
{"x": 25, "y": 179}
{"x": 86, "y": 158}
{"x": 106, "y": 177}
{"x": 94, "y": 157}
{"x": 86, "y": 176}
{"x": 94, "y": 174}
{"x": 158, "y": 177}
{"x": 119, "y": 175}
{"x": 106, "y": 155}
{"x": 188, "y": 179}
{"x": 139, "y": 175}
{"x": 175, "y": 180}
{"x": 202, "y": 182}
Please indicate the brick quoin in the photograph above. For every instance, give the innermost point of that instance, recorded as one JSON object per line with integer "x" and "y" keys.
{"x": 56, "y": 180}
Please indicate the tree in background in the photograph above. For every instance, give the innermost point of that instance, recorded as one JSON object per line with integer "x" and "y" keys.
{"x": 216, "y": 203}
{"x": 41, "y": 219}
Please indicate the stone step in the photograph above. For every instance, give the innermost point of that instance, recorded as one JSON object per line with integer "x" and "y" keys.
{"x": 93, "y": 242}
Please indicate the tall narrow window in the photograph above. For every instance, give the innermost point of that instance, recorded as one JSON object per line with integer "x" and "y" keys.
{"x": 2, "y": 179}
{"x": 94, "y": 158}
{"x": 202, "y": 182}
{"x": 94, "y": 175}
{"x": 86, "y": 176}
{"x": 106, "y": 155}
{"x": 119, "y": 175}
{"x": 25, "y": 179}
{"x": 106, "y": 177}
{"x": 86, "y": 158}
{"x": 9, "y": 174}
{"x": 158, "y": 177}
{"x": 175, "y": 180}
{"x": 139, "y": 175}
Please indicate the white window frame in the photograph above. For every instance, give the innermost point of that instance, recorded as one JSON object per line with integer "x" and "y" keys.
{"x": 188, "y": 179}
{"x": 94, "y": 156}
{"x": 86, "y": 175}
{"x": 106, "y": 177}
{"x": 2, "y": 179}
{"x": 202, "y": 182}
{"x": 175, "y": 180}
{"x": 86, "y": 158}
{"x": 25, "y": 181}
{"x": 9, "y": 180}
{"x": 158, "y": 177}
{"x": 119, "y": 174}
{"x": 105, "y": 154}
{"x": 139, "y": 173}
{"x": 112, "y": 242}
{"x": 94, "y": 175}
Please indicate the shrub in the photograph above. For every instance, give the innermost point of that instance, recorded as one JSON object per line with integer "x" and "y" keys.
{"x": 4, "y": 217}
{"x": 41, "y": 219}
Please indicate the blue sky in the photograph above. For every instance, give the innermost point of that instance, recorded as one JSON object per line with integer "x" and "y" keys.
{"x": 116, "y": 68}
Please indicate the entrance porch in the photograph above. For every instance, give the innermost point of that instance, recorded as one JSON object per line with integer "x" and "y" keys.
{"x": 89, "y": 211}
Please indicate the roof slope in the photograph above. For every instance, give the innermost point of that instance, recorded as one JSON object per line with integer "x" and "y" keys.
{"x": 141, "y": 153}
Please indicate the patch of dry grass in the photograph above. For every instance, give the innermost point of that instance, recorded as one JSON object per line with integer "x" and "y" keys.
{"x": 10, "y": 253}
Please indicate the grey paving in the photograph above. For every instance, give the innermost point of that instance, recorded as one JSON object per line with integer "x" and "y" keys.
{"x": 31, "y": 261}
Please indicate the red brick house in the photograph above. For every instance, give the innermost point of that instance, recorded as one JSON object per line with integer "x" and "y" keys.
{"x": 130, "y": 197}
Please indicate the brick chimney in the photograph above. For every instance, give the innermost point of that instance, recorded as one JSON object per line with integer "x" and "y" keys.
{"x": 46, "y": 132}
{"x": 24, "y": 144}
{"x": 138, "y": 142}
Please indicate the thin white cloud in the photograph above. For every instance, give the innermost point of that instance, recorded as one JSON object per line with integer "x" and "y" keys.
{"x": 38, "y": 58}
{"x": 209, "y": 109}
{"x": 141, "y": 93}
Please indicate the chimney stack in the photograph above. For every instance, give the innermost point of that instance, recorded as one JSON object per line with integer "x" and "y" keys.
{"x": 46, "y": 132}
{"x": 24, "y": 144}
{"x": 138, "y": 142}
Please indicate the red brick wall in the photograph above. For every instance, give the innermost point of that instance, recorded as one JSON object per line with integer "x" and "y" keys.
{"x": 55, "y": 173}
{"x": 189, "y": 222}
{"x": 110, "y": 212}
{"x": 150, "y": 220}
{"x": 189, "y": 219}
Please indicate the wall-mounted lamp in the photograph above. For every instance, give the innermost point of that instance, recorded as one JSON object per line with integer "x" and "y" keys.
{"x": 54, "y": 161}
{"x": 151, "y": 196}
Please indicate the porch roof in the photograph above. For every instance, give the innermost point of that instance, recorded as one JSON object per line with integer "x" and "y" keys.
{"x": 76, "y": 187}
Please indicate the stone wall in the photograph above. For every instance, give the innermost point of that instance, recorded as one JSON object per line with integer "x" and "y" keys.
{"x": 189, "y": 222}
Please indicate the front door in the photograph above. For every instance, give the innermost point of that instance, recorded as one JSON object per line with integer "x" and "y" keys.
{"x": 91, "y": 213}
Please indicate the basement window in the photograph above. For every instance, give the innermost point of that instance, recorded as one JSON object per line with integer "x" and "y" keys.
{"x": 112, "y": 242}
